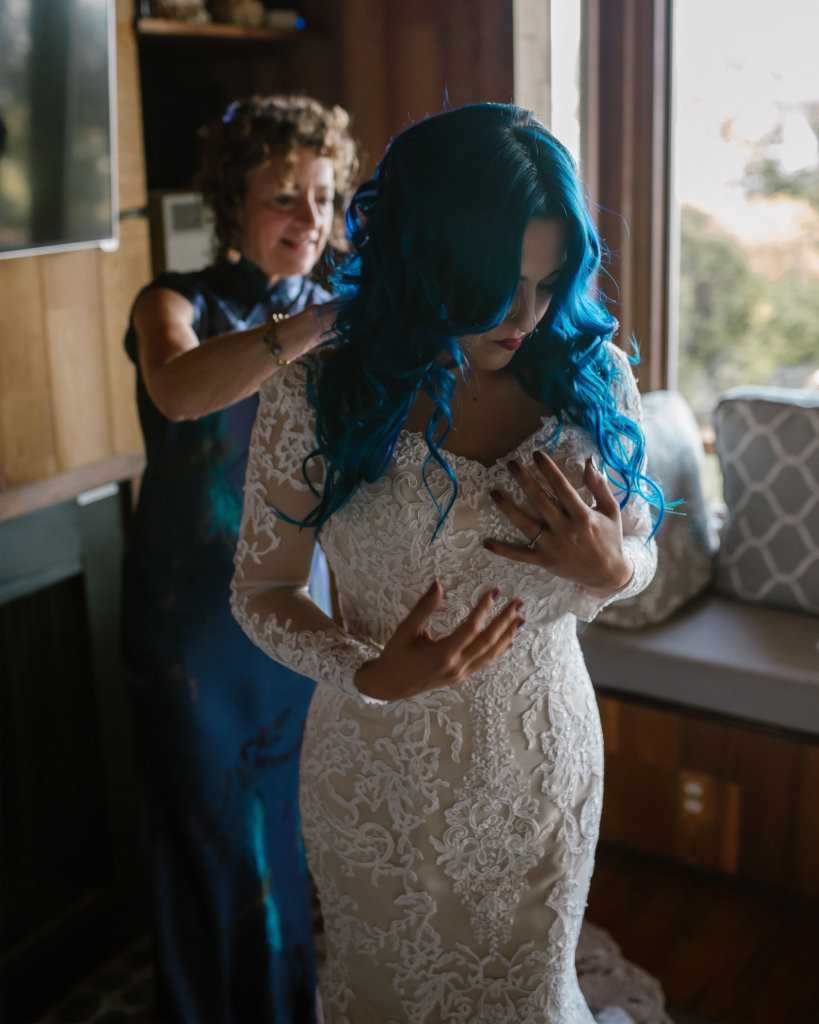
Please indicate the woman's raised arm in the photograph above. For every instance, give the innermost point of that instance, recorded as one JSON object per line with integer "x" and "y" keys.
{"x": 187, "y": 379}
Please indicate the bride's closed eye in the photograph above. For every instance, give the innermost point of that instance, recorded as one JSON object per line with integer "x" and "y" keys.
{"x": 548, "y": 285}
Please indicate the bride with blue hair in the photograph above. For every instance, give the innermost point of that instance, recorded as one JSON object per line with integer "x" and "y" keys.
{"x": 468, "y": 454}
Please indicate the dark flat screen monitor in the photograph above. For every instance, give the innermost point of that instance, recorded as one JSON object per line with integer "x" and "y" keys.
{"x": 57, "y": 126}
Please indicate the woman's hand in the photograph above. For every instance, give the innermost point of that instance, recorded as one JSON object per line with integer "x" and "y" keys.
{"x": 568, "y": 538}
{"x": 301, "y": 332}
{"x": 413, "y": 662}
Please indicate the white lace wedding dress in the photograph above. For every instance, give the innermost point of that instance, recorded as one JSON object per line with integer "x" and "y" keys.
{"x": 451, "y": 835}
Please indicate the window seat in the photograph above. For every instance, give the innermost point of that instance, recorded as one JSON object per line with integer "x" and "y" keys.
{"x": 716, "y": 654}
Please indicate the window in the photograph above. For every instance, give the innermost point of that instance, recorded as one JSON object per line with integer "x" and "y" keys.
{"x": 745, "y": 207}
{"x": 699, "y": 135}
{"x": 566, "y": 100}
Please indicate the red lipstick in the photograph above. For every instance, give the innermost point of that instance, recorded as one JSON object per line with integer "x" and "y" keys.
{"x": 510, "y": 344}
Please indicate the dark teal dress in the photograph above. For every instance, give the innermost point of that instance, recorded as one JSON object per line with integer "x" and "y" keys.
{"x": 218, "y": 724}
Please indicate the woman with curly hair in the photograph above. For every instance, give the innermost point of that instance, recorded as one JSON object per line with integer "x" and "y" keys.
{"x": 218, "y": 728}
{"x": 470, "y": 459}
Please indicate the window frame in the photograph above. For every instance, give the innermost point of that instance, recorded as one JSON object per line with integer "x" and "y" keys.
{"x": 626, "y": 140}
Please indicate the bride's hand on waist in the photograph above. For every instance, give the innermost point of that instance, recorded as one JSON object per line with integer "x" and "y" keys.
{"x": 567, "y": 537}
{"x": 412, "y": 662}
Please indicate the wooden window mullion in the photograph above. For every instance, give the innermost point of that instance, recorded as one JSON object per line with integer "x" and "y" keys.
{"x": 626, "y": 163}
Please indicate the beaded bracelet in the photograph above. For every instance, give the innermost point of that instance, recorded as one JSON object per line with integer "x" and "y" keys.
{"x": 274, "y": 350}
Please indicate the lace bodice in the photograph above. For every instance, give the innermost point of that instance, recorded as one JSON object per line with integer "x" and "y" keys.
{"x": 451, "y": 835}
{"x": 378, "y": 545}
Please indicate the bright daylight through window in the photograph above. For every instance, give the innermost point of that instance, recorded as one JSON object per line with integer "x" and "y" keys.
{"x": 746, "y": 194}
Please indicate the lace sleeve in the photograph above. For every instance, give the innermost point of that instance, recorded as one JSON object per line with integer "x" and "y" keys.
{"x": 273, "y": 556}
{"x": 637, "y": 523}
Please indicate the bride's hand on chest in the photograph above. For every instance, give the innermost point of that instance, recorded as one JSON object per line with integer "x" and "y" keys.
{"x": 412, "y": 662}
{"x": 567, "y": 537}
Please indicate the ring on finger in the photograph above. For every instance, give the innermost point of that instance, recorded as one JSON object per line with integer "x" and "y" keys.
{"x": 531, "y": 545}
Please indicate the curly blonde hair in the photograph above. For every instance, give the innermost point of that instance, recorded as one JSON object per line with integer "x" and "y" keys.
{"x": 256, "y": 129}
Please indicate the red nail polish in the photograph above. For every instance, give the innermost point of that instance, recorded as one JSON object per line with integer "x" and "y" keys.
{"x": 496, "y": 496}
{"x": 513, "y": 466}
{"x": 538, "y": 456}
{"x": 495, "y": 594}
{"x": 489, "y": 545}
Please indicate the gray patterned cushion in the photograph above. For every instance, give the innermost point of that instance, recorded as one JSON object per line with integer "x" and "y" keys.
{"x": 685, "y": 539}
{"x": 768, "y": 446}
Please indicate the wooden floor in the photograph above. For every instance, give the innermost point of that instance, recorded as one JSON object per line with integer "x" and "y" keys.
{"x": 724, "y": 952}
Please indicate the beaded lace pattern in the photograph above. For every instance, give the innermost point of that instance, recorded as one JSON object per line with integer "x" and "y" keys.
{"x": 451, "y": 835}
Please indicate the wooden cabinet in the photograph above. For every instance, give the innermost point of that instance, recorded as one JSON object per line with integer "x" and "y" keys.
{"x": 712, "y": 793}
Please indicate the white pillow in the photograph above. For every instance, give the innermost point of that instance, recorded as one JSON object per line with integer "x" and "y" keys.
{"x": 686, "y": 540}
{"x": 768, "y": 446}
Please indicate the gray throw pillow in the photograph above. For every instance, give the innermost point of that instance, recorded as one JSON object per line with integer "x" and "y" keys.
{"x": 686, "y": 540}
{"x": 768, "y": 446}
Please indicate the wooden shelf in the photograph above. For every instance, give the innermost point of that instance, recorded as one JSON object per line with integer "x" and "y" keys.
{"x": 164, "y": 27}
{"x": 22, "y": 501}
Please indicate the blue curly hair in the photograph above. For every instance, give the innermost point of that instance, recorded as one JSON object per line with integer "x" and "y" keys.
{"x": 437, "y": 238}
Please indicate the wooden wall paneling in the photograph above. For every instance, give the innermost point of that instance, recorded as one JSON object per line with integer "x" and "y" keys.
{"x": 610, "y": 723}
{"x": 121, "y": 274}
{"x": 250, "y": 70}
{"x": 365, "y": 77}
{"x": 467, "y": 72}
{"x": 132, "y": 187}
{"x": 416, "y": 56}
{"x": 768, "y": 768}
{"x": 480, "y": 56}
{"x": 311, "y": 59}
{"x": 708, "y": 816}
{"x": 186, "y": 83}
{"x": 803, "y": 845}
{"x": 693, "y": 957}
{"x": 710, "y": 746}
{"x": 76, "y": 355}
{"x": 712, "y": 794}
{"x": 731, "y": 953}
{"x": 27, "y": 439}
{"x": 641, "y": 772}
{"x": 709, "y": 775}
{"x": 63, "y": 400}
{"x": 493, "y": 73}
{"x": 803, "y": 840}
{"x": 729, "y": 816}
{"x": 402, "y": 61}
{"x": 651, "y": 737}
{"x": 640, "y": 806}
